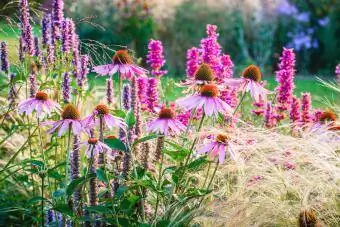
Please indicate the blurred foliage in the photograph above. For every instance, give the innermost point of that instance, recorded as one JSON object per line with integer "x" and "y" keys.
{"x": 122, "y": 24}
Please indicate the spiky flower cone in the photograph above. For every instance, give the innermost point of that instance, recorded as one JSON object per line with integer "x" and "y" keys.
{"x": 159, "y": 148}
{"x": 93, "y": 191}
{"x": 4, "y": 57}
{"x": 75, "y": 173}
{"x": 12, "y": 93}
{"x": 307, "y": 218}
{"x": 33, "y": 85}
{"x": 126, "y": 165}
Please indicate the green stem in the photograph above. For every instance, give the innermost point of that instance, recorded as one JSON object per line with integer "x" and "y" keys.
{"x": 159, "y": 183}
{"x": 210, "y": 182}
{"x": 206, "y": 177}
{"x": 42, "y": 199}
{"x": 68, "y": 155}
{"x": 240, "y": 102}
{"x": 191, "y": 150}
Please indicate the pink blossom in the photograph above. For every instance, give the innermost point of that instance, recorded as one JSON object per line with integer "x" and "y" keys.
{"x": 193, "y": 61}
{"x": 306, "y": 107}
{"x": 40, "y": 103}
{"x": 122, "y": 63}
{"x": 155, "y": 57}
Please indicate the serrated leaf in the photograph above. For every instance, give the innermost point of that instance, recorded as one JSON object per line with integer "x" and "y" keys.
{"x": 130, "y": 119}
{"x": 115, "y": 144}
{"x": 101, "y": 175}
{"x": 99, "y": 209}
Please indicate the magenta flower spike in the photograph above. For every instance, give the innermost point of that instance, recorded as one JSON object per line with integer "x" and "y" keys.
{"x": 155, "y": 58}
{"x": 193, "y": 62}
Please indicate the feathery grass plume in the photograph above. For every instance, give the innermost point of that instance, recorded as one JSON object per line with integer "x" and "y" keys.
{"x": 152, "y": 94}
{"x": 66, "y": 87}
{"x": 294, "y": 112}
{"x": 57, "y": 18}
{"x": 211, "y": 49}
{"x": 307, "y": 218}
{"x": 265, "y": 192}
{"x": 33, "y": 85}
{"x": 4, "y": 57}
{"x": 285, "y": 77}
{"x": 46, "y": 29}
{"x": 109, "y": 91}
{"x": 75, "y": 173}
{"x": 269, "y": 116}
{"x": 306, "y": 107}
{"x": 193, "y": 61}
{"x": 155, "y": 58}
{"x": 142, "y": 84}
{"x": 126, "y": 97}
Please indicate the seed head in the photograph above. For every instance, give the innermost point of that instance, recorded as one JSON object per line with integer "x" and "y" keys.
{"x": 70, "y": 112}
{"x": 204, "y": 72}
{"x": 209, "y": 90}
{"x": 92, "y": 141}
{"x": 102, "y": 109}
{"x": 122, "y": 57}
{"x": 222, "y": 138}
{"x": 40, "y": 95}
{"x": 166, "y": 113}
{"x": 328, "y": 116}
{"x": 252, "y": 72}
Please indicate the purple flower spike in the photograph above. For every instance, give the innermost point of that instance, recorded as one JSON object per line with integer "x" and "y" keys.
{"x": 269, "y": 119}
{"x": 193, "y": 61}
{"x": 57, "y": 18}
{"x": 36, "y": 47}
{"x": 227, "y": 67}
{"x": 142, "y": 83}
{"x": 4, "y": 57}
{"x": 126, "y": 97}
{"x": 46, "y": 29}
{"x": 306, "y": 106}
{"x": 109, "y": 90}
{"x": 152, "y": 94}
{"x": 33, "y": 85}
{"x": 66, "y": 38}
{"x": 66, "y": 87}
{"x": 285, "y": 77}
{"x": 211, "y": 49}
{"x": 155, "y": 58}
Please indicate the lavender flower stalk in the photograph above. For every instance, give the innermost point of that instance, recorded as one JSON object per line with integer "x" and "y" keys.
{"x": 155, "y": 58}
{"x": 126, "y": 97}
{"x": 285, "y": 77}
{"x": 46, "y": 29}
{"x": 57, "y": 18}
{"x": 193, "y": 61}
{"x": 306, "y": 106}
{"x": 36, "y": 47}
{"x": 4, "y": 57}
{"x": 33, "y": 85}
{"x": 66, "y": 38}
{"x": 50, "y": 54}
{"x": 66, "y": 87}
{"x": 109, "y": 90}
{"x": 152, "y": 94}
{"x": 12, "y": 94}
{"x": 141, "y": 85}
{"x": 83, "y": 71}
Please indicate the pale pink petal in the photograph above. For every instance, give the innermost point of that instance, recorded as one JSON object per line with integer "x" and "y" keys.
{"x": 103, "y": 69}
{"x": 221, "y": 156}
{"x": 206, "y": 148}
{"x": 64, "y": 127}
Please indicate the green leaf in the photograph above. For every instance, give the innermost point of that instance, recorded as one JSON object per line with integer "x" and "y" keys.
{"x": 146, "y": 138}
{"x": 64, "y": 209}
{"x": 119, "y": 113}
{"x": 77, "y": 183}
{"x": 197, "y": 164}
{"x": 99, "y": 209}
{"x": 101, "y": 175}
{"x": 121, "y": 190}
{"x": 115, "y": 144}
{"x": 177, "y": 155}
{"x": 130, "y": 119}
{"x": 58, "y": 193}
{"x": 177, "y": 147}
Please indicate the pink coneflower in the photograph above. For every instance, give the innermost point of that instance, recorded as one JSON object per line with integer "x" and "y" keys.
{"x": 218, "y": 147}
{"x": 121, "y": 62}
{"x": 95, "y": 147}
{"x": 155, "y": 58}
{"x": 207, "y": 99}
{"x": 250, "y": 81}
{"x": 166, "y": 123}
{"x": 40, "y": 103}
{"x": 70, "y": 121}
{"x": 193, "y": 61}
{"x": 102, "y": 111}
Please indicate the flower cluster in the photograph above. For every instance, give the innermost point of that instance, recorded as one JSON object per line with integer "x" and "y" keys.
{"x": 155, "y": 58}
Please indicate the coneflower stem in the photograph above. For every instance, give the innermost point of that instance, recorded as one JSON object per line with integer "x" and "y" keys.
{"x": 191, "y": 150}
{"x": 159, "y": 183}
{"x": 101, "y": 159}
{"x": 206, "y": 177}
{"x": 42, "y": 199}
{"x": 239, "y": 103}
{"x": 68, "y": 155}
{"x": 210, "y": 182}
